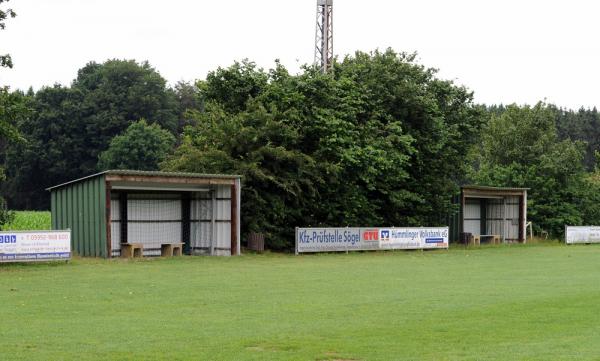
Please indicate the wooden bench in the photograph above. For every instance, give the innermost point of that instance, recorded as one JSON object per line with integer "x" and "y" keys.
{"x": 494, "y": 239}
{"x": 132, "y": 250}
{"x": 171, "y": 249}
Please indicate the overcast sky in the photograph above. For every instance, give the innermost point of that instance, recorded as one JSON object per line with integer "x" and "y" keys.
{"x": 504, "y": 50}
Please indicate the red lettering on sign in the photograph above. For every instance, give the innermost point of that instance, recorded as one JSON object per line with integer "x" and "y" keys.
{"x": 371, "y": 235}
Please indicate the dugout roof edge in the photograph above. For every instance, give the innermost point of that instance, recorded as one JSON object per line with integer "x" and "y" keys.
{"x": 151, "y": 176}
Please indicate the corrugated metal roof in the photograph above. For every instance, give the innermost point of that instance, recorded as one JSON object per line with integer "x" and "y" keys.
{"x": 487, "y": 188}
{"x": 127, "y": 172}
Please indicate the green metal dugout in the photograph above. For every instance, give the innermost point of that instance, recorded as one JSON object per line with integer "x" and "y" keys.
{"x": 104, "y": 210}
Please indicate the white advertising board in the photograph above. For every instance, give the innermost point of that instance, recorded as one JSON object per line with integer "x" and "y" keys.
{"x": 309, "y": 240}
{"x": 575, "y": 235}
{"x": 35, "y": 246}
{"x": 413, "y": 238}
{"x": 332, "y": 240}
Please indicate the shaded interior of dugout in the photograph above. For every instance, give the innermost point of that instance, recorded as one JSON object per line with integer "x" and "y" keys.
{"x": 488, "y": 213}
{"x": 113, "y": 208}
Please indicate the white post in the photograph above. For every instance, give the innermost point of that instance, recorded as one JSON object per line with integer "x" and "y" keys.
{"x": 296, "y": 247}
{"x": 504, "y": 226}
{"x": 213, "y": 222}
{"x": 524, "y": 210}
{"x": 530, "y": 230}
{"x": 238, "y": 188}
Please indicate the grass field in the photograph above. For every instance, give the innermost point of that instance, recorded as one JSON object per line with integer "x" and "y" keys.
{"x": 497, "y": 303}
{"x": 28, "y": 220}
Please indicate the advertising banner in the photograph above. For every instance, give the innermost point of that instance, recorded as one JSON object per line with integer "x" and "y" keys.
{"x": 333, "y": 240}
{"x": 35, "y": 246}
{"x": 363, "y": 239}
{"x": 413, "y": 238}
{"x": 574, "y": 235}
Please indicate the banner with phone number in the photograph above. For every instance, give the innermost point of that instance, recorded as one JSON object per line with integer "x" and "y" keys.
{"x": 35, "y": 246}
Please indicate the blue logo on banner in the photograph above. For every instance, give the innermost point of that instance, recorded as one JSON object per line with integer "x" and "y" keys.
{"x": 434, "y": 240}
{"x": 8, "y": 239}
{"x": 385, "y": 235}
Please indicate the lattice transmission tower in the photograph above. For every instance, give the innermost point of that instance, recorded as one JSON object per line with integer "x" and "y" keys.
{"x": 324, "y": 36}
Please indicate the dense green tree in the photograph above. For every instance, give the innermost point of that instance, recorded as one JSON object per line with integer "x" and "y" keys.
{"x": 189, "y": 99}
{"x": 278, "y": 179}
{"x": 140, "y": 147}
{"x": 583, "y": 125}
{"x": 588, "y": 198}
{"x": 438, "y": 115}
{"x": 53, "y": 150}
{"x": 119, "y": 92}
{"x": 520, "y": 148}
{"x": 11, "y": 110}
{"x": 234, "y": 86}
{"x": 70, "y": 126}
{"x": 116, "y": 94}
{"x": 378, "y": 141}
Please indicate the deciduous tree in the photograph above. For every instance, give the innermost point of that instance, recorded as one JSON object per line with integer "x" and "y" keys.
{"x": 70, "y": 126}
{"x": 140, "y": 147}
{"x": 379, "y": 141}
{"x": 520, "y": 148}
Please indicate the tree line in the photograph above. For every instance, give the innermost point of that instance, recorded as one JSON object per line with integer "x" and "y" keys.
{"x": 381, "y": 140}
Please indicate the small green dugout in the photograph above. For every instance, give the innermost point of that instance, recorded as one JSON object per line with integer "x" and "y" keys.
{"x": 111, "y": 210}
